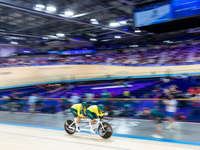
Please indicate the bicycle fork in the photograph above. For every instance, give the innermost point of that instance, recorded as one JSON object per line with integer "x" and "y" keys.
{"x": 72, "y": 124}
{"x": 102, "y": 126}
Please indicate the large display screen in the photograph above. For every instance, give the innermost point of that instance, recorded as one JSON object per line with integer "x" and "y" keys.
{"x": 160, "y": 12}
{"x": 184, "y": 8}
{"x": 153, "y": 14}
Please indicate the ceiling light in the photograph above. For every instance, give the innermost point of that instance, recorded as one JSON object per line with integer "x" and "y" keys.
{"x": 92, "y": 19}
{"x": 51, "y": 8}
{"x": 26, "y": 51}
{"x": 114, "y": 24}
{"x": 60, "y": 34}
{"x": 168, "y": 41}
{"x": 94, "y": 22}
{"x": 92, "y": 39}
{"x": 45, "y": 38}
{"x": 69, "y": 13}
{"x": 122, "y": 22}
{"x": 12, "y": 42}
{"x": 105, "y": 40}
{"x": 39, "y": 6}
{"x": 52, "y": 36}
{"x": 134, "y": 46}
{"x": 137, "y": 31}
{"x": 117, "y": 37}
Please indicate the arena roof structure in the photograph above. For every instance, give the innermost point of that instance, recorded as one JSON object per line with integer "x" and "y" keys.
{"x": 81, "y": 20}
{"x": 72, "y": 22}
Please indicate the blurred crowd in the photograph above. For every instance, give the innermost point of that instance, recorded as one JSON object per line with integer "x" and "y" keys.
{"x": 155, "y": 55}
{"x": 40, "y": 102}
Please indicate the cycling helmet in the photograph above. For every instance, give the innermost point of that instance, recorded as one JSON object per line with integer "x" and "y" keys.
{"x": 84, "y": 104}
{"x": 101, "y": 108}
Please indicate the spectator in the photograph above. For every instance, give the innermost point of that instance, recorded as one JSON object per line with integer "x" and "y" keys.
{"x": 198, "y": 92}
{"x": 126, "y": 93}
{"x": 192, "y": 91}
{"x": 89, "y": 96}
{"x": 105, "y": 94}
{"x": 170, "y": 109}
{"x": 32, "y": 102}
{"x": 173, "y": 88}
{"x": 96, "y": 95}
{"x": 112, "y": 94}
{"x": 39, "y": 102}
{"x": 12, "y": 100}
{"x": 166, "y": 92}
{"x": 159, "y": 104}
{"x": 125, "y": 84}
{"x": 157, "y": 87}
{"x": 64, "y": 104}
{"x": 75, "y": 98}
{"x": 174, "y": 91}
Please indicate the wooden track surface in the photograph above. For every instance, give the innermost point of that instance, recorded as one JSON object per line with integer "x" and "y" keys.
{"x": 27, "y": 138}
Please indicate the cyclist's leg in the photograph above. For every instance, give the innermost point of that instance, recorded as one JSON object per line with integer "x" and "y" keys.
{"x": 78, "y": 119}
{"x": 90, "y": 115}
{"x": 74, "y": 112}
{"x": 95, "y": 116}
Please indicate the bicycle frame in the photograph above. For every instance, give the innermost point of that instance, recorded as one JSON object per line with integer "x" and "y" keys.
{"x": 98, "y": 121}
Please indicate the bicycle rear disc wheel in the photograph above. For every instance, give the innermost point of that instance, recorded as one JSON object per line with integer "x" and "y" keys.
{"x": 108, "y": 130}
{"x": 66, "y": 127}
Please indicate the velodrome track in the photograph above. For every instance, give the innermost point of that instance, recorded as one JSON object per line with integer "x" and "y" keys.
{"x": 25, "y": 131}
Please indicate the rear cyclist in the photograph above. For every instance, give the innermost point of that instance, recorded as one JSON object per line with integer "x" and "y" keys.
{"x": 76, "y": 110}
{"x": 94, "y": 112}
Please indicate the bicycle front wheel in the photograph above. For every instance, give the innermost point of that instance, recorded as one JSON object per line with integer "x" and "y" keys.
{"x": 69, "y": 130}
{"x": 105, "y": 131}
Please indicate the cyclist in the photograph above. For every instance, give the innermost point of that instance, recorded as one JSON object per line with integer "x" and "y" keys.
{"x": 94, "y": 112}
{"x": 76, "y": 110}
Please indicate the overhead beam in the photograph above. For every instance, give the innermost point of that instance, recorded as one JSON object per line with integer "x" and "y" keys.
{"x": 63, "y": 18}
{"x": 106, "y": 33}
{"x": 23, "y": 29}
{"x": 126, "y": 2}
{"x": 84, "y": 29}
{"x": 88, "y": 13}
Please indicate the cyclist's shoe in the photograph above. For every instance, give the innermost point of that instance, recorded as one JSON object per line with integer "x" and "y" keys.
{"x": 78, "y": 130}
{"x": 92, "y": 130}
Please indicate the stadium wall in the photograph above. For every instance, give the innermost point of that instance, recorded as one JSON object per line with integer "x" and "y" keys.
{"x": 32, "y": 75}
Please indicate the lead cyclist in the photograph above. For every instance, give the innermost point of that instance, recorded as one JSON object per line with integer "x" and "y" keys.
{"x": 93, "y": 112}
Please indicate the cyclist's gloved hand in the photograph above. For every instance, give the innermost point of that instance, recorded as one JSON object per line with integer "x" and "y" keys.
{"x": 105, "y": 114}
